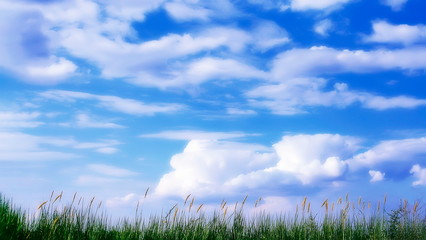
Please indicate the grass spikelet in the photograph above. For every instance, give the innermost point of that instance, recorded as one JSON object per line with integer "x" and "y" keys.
{"x": 257, "y": 202}
{"x": 304, "y": 203}
{"x": 42, "y": 204}
{"x": 199, "y": 208}
{"x": 416, "y": 205}
{"x": 58, "y": 197}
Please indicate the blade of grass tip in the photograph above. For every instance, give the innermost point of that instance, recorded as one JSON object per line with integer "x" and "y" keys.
{"x": 51, "y": 195}
{"x": 347, "y": 197}
{"x": 244, "y": 201}
{"x": 170, "y": 211}
{"x": 186, "y": 199}
{"x": 224, "y": 204}
{"x": 146, "y": 193}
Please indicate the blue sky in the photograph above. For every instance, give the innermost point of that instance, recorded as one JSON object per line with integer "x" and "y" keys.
{"x": 275, "y": 99}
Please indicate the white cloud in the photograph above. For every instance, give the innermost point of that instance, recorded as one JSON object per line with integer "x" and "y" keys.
{"x": 113, "y": 103}
{"x": 85, "y": 121}
{"x": 199, "y": 135}
{"x": 184, "y": 12}
{"x": 281, "y": 5}
{"x": 91, "y": 180}
{"x": 323, "y": 60}
{"x": 142, "y": 59}
{"x": 383, "y": 103}
{"x": 420, "y": 174}
{"x": 129, "y": 10}
{"x": 296, "y": 96}
{"x": 199, "y": 71}
{"x": 325, "y": 158}
{"x": 274, "y": 204}
{"x": 303, "y": 5}
{"x": 396, "y": 5}
{"x": 237, "y": 111}
{"x": 13, "y": 120}
{"x": 323, "y": 27}
{"x": 28, "y": 51}
{"x": 390, "y": 151}
{"x": 94, "y": 145}
{"x": 205, "y": 165}
{"x": 376, "y": 176}
{"x": 130, "y": 198}
{"x": 268, "y": 34}
{"x": 208, "y": 167}
{"x": 384, "y": 32}
{"x": 52, "y": 73}
{"x": 107, "y": 150}
{"x": 110, "y": 170}
{"x": 16, "y": 146}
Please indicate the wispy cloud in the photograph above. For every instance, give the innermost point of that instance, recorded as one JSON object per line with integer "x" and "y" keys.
{"x": 193, "y": 134}
{"x": 113, "y": 103}
{"x": 14, "y": 120}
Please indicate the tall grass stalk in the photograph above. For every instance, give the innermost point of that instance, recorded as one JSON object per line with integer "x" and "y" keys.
{"x": 342, "y": 219}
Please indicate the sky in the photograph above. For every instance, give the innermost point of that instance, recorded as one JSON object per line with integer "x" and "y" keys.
{"x": 219, "y": 99}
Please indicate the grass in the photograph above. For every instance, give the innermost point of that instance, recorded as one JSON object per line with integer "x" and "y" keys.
{"x": 342, "y": 219}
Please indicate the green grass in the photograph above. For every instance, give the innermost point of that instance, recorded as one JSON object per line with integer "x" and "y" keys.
{"x": 339, "y": 220}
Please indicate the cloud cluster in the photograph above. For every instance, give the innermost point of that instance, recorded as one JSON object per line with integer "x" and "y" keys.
{"x": 298, "y": 85}
{"x": 209, "y": 167}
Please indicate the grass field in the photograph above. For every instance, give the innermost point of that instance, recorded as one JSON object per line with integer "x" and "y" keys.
{"x": 341, "y": 219}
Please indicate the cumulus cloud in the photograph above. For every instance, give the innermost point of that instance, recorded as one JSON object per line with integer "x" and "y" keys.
{"x": 376, "y": 176}
{"x": 113, "y": 103}
{"x": 199, "y": 135}
{"x": 396, "y": 5}
{"x": 207, "y": 167}
{"x": 419, "y": 173}
{"x": 325, "y": 158}
{"x": 384, "y": 32}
